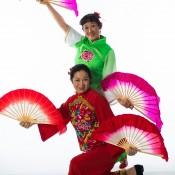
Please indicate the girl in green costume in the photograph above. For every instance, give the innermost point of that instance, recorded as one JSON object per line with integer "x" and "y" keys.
{"x": 92, "y": 49}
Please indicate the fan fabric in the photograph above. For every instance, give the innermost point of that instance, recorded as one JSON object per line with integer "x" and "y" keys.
{"x": 30, "y": 106}
{"x": 140, "y": 93}
{"x": 68, "y": 4}
{"x": 132, "y": 130}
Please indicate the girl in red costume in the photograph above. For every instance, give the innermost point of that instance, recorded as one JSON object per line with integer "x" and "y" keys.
{"x": 86, "y": 110}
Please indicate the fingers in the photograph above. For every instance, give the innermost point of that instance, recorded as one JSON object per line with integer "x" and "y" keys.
{"x": 124, "y": 101}
{"x": 128, "y": 104}
{"x": 132, "y": 151}
{"x": 26, "y": 124}
{"x": 43, "y": 1}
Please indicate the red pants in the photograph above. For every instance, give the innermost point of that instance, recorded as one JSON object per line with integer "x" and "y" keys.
{"x": 98, "y": 161}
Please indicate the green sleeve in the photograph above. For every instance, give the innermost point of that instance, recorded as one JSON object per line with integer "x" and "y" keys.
{"x": 110, "y": 64}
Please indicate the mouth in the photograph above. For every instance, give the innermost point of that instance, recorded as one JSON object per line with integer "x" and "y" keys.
{"x": 81, "y": 89}
{"x": 93, "y": 37}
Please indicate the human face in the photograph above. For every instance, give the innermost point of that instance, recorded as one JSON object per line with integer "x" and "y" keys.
{"x": 81, "y": 81}
{"x": 91, "y": 31}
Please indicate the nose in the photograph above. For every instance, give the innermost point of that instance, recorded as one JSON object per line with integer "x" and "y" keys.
{"x": 81, "y": 84}
{"x": 89, "y": 30}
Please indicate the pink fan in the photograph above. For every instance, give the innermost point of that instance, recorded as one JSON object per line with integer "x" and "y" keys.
{"x": 130, "y": 130}
{"x": 30, "y": 106}
{"x": 139, "y": 92}
{"x": 68, "y": 4}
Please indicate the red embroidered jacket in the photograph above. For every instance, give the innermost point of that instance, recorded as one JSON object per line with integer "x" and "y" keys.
{"x": 86, "y": 112}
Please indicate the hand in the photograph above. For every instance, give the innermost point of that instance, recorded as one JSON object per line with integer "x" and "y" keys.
{"x": 43, "y": 1}
{"x": 132, "y": 151}
{"x": 26, "y": 124}
{"x": 124, "y": 101}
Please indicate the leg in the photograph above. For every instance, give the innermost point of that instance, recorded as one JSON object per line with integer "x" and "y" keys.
{"x": 95, "y": 162}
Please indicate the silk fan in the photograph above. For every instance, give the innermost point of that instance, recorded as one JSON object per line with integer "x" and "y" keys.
{"x": 68, "y": 4}
{"x": 130, "y": 130}
{"x": 27, "y": 105}
{"x": 138, "y": 91}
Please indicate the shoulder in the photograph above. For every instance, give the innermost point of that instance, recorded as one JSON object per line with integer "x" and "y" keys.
{"x": 83, "y": 40}
{"x": 93, "y": 92}
{"x": 72, "y": 36}
{"x": 71, "y": 98}
{"x": 96, "y": 95}
{"x": 106, "y": 46}
{"x": 110, "y": 48}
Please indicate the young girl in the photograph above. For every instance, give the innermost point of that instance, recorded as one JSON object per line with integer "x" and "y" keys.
{"x": 87, "y": 110}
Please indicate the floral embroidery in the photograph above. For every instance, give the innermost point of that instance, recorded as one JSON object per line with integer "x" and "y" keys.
{"x": 87, "y": 55}
{"x": 83, "y": 119}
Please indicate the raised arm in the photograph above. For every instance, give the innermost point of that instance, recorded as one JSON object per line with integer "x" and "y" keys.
{"x": 59, "y": 19}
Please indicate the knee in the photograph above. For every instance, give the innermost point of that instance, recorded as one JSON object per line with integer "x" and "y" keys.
{"x": 75, "y": 166}
{"x": 74, "y": 162}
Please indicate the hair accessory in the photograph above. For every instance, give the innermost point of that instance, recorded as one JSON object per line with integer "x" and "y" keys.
{"x": 97, "y": 14}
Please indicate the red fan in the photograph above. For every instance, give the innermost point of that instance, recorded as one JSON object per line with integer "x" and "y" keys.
{"x": 30, "y": 106}
{"x": 129, "y": 130}
{"x": 139, "y": 92}
{"x": 68, "y": 4}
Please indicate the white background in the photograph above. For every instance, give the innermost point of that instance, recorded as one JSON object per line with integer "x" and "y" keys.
{"x": 33, "y": 55}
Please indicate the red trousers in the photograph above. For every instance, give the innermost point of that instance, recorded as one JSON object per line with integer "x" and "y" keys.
{"x": 98, "y": 161}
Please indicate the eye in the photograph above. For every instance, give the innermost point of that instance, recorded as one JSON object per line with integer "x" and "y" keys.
{"x": 76, "y": 80}
{"x": 86, "y": 79}
{"x": 86, "y": 28}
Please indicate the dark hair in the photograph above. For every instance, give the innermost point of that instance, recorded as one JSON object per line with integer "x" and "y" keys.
{"x": 77, "y": 68}
{"x": 91, "y": 17}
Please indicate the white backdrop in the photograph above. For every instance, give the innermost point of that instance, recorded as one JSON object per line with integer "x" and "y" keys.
{"x": 33, "y": 55}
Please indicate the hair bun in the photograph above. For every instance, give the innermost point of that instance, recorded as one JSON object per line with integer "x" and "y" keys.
{"x": 97, "y": 14}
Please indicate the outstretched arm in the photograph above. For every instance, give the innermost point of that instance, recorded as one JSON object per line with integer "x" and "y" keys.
{"x": 59, "y": 19}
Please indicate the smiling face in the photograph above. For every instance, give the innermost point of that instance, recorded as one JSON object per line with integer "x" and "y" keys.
{"x": 81, "y": 81}
{"x": 91, "y": 30}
